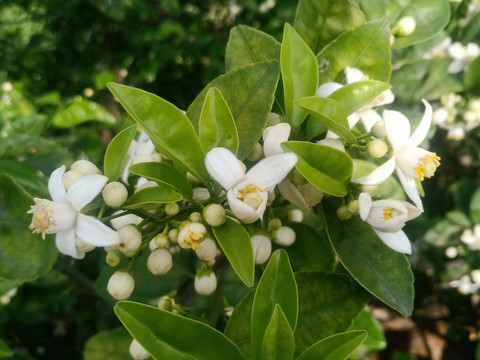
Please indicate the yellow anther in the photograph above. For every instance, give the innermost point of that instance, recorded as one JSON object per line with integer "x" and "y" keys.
{"x": 427, "y": 165}
{"x": 387, "y": 213}
{"x": 193, "y": 239}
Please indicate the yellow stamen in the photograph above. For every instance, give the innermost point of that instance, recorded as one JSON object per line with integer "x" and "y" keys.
{"x": 427, "y": 165}
{"x": 250, "y": 195}
{"x": 387, "y": 213}
{"x": 193, "y": 239}
{"x": 42, "y": 220}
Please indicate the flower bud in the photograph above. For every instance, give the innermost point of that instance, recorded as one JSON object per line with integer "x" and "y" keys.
{"x": 192, "y": 178}
{"x": 130, "y": 239}
{"x": 405, "y": 26}
{"x": 70, "y": 177}
{"x": 195, "y": 217}
{"x": 173, "y": 235}
{"x": 262, "y": 248}
{"x": 475, "y": 275}
{"x": 378, "y": 130}
{"x": 206, "y": 284}
{"x": 191, "y": 235}
{"x": 297, "y": 178}
{"x": 121, "y": 284}
{"x": 115, "y": 194}
{"x": 285, "y": 236}
{"x": 113, "y": 258}
{"x": 256, "y": 153}
{"x": 274, "y": 224}
{"x": 126, "y": 219}
{"x": 343, "y": 213}
{"x": 82, "y": 246}
{"x": 371, "y": 189}
{"x": 377, "y": 148}
{"x": 214, "y": 214}
{"x": 172, "y": 209}
{"x": 200, "y": 194}
{"x": 152, "y": 245}
{"x": 274, "y": 119}
{"x": 207, "y": 250}
{"x": 159, "y": 262}
{"x": 165, "y": 303}
{"x": 353, "y": 207}
{"x": 161, "y": 240}
{"x": 85, "y": 167}
{"x": 137, "y": 351}
{"x": 295, "y": 215}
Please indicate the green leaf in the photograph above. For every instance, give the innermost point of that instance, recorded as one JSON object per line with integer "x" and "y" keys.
{"x": 375, "y": 339}
{"x": 475, "y": 207}
{"x": 5, "y": 351}
{"x": 164, "y": 174}
{"x": 325, "y": 167}
{"x": 247, "y": 45}
{"x": 353, "y": 96}
{"x": 431, "y": 16}
{"x": 166, "y": 125}
{"x": 160, "y": 194}
{"x": 24, "y": 175}
{"x": 336, "y": 347}
{"x": 80, "y": 111}
{"x": 216, "y": 126}
{"x": 330, "y": 113}
{"x": 235, "y": 243}
{"x": 278, "y": 342}
{"x": 116, "y": 153}
{"x": 328, "y": 304}
{"x": 471, "y": 77}
{"x": 166, "y": 335}
{"x": 249, "y": 92}
{"x": 277, "y": 286}
{"x": 383, "y": 272}
{"x": 239, "y": 326}
{"x": 108, "y": 345}
{"x": 366, "y": 47}
{"x": 299, "y": 74}
{"x": 319, "y": 22}
{"x": 23, "y": 256}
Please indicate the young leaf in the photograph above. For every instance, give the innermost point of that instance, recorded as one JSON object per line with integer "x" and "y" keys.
{"x": 81, "y": 111}
{"x": 278, "y": 342}
{"x": 216, "y": 126}
{"x": 166, "y": 125}
{"x": 116, "y": 153}
{"x": 164, "y": 174}
{"x": 383, "y": 272}
{"x": 277, "y": 286}
{"x": 166, "y": 335}
{"x": 299, "y": 74}
{"x": 325, "y": 167}
{"x": 336, "y": 347}
{"x": 247, "y": 45}
{"x": 153, "y": 195}
{"x": 249, "y": 92}
{"x": 235, "y": 243}
{"x": 109, "y": 344}
{"x": 319, "y": 22}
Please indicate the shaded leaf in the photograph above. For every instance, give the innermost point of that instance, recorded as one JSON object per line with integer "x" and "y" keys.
{"x": 116, "y": 153}
{"x": 108, "y": 345}
{"x": 278, "y": 342}
{"x": 160, "y": 194}
{"x": 80, "y": 111}
{"x": 239, "y": 326}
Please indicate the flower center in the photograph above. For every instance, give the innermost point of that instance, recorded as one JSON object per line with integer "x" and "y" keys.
{"x": 193, "y": 239}
{"x": 390, "y": 212}
{"x": 427, "y": 165}
{"x": 43, "y": 221}
{"x": 250, "y": 195}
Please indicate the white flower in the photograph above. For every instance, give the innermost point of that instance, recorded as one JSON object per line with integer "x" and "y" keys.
{"x": 405, "y": 26}
{"x": 410, "y": 161}
{"x": 387, "y": 218}
{"x": 462, "y": 56}
{"x": 247, "y": 193}
{"x": 205, "y": 285}
{"x": 137, "y": 351}
{"x": 439, "y": 50}
{"x": 63, "y": 217}
{"x": 191, "y": 235}
{"x": 141, "y": 150}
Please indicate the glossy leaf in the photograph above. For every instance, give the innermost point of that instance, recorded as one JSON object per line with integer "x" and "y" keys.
{"x": 320, "y": 22}
{"x": 330, "y": 113}
{"x": 383, "y": 272}
{"x": 336, "y": 347}
{"x": 239, "y": 326}
{"x": 249, "y": 92}
{"x": 217, "y": 127}
{"x": 325, "y": 167}
{"x": 431, "y": 16}
{"x": 166, "y": 335}
{"x": 353, "y": 96}
{"x": 247, "y": 45}
{"x": 164, "y": 174}
{"x": 80, "y": 111}
{"x": 366, "y": 47}
{"x": 299, "y": 74}
{"x": 471, "y": 77}
{"x": 166, "y": 125}
{"x": 475, "y": 207}
{"x": 328, "y": 304}
{"x": 277, "y": 286}
{"x": 375, "y": 339}
{"x": 160, "y": 194}
{"x": 116, "y": 153}
{"x": 108, "y": 345}
{"x": 235, "y": 243}
{"x": 278, "y": 342}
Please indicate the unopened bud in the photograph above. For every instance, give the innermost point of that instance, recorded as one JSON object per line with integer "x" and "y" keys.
{"x": 378, "y": 129}
{"x": 82, "y": 246}
{"x": 405, "y": 26}
{"x": 285, "y": 236}
{"x": 161, "y": 240}
{"x": 274, "y": 119}
{"x": 115, "y": 194}
{"x": 207, "y": 250}
{"x": 206, "y": 284}
{"x": 343, "y": 213}
{"x": 173, "y": 235}
{"x": 200, "y": 194}
{"x": 274, "y": 224}
{"x": 172, "y": 209}
{"x": 195, "y": 217}
{"x": 113, "y": 258}
{"x": 192, "y": 178}
{"x": 159, "y": 262}
{"x": 214, "y": 214}
{"x": 85, "y": 167}
{"x": 191, "y": 235}
{"x": 121, "y": 284}
{"x": 70, "y": 177}
{"x": 297, "y": 178}
{"x": 137, "y": 351}
{"x": 152, "y": 245}
{"x": 256, "y": 153}
{"x": 371, "y": 189}
{"x": 377, "y": 148}
{"x": 130, "y": 239}
{"x": 262, "y": 248}
{"x": 295, "y": 215}
{"x": 157, "y": 157}
{"x": 354, "y": 207}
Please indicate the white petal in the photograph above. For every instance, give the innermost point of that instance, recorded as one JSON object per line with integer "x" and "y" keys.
{"x": 243, "y": 211}
{"x": 455, "y": 67}
{"x": 94, "y": 232}
{"x": 413, "y": 211}
{"x": 224, "y": 167}
{"x": 388, "y": 97}
{"x": 65, "y": 241}
{"x": 353, "y": 119}
{"x": 270, "y": 171}
{"x": 326, "y": 89}
{"x": 410, "y": 187}
{"x": 379, "y": 175}
{"x": 397, "y": 128}
{"x": 85, "y": 189}
{"x": 364, "y": 204}
{"x": 369, "y": 118}
{"x": 275, "y": 136}
{"x": 291, "y": 193}
{"x": 397, "y": 241}
{"x": 55, "y": 185}
{"x": 421, "y": 131}
{"x": 354, "y": 74}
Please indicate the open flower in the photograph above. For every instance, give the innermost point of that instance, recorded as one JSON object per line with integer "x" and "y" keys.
{"x": 247, "y": 193}
{"x": 410, "y": 161}
{"x": 387, "y": 218}
{"x": 462, "y": 56}
{"x": 62, "y": 215}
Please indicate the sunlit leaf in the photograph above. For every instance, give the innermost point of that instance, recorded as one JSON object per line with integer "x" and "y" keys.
{"x": 80, "y": 111}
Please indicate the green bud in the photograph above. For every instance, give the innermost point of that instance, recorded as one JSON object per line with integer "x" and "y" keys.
{"x": 195, "y": 217}
{"x": 343, "y": 213}
{"x": 172, "y": 209}
{"x": 115, "y": 194}
{"x": 214, "y": 214}
{"x": 161, "y": 240}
